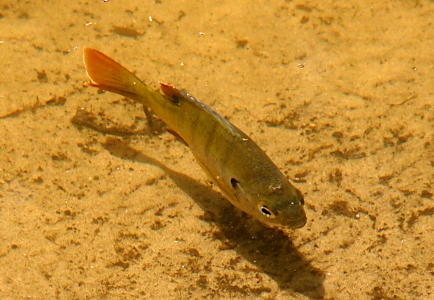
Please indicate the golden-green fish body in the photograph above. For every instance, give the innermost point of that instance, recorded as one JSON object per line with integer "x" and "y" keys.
{"x": 244, "y": 173}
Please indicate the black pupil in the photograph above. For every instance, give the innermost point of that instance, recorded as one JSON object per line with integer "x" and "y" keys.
{"x": 265, "y": 211}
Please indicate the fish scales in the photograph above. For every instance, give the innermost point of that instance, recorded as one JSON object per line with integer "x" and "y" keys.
{"x": 245, "y": 174}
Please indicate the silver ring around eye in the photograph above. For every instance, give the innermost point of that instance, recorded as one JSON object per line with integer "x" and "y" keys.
{"x": 266, "y": 211}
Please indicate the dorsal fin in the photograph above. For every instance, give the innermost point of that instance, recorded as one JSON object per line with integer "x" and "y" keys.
{"x": 176, "y": 96}
{"x": 172, "y": 93}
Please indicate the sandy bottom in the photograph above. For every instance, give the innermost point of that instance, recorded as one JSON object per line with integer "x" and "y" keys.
{"x": 96, "y": 204}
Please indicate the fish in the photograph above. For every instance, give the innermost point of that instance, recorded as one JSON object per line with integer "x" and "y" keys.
{"x": 237, "y": 165}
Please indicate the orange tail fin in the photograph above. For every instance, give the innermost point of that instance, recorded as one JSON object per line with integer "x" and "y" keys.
{"x": 107, "y": 74}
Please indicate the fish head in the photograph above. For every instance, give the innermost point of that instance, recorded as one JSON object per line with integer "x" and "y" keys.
{"x": 278, "y": 205}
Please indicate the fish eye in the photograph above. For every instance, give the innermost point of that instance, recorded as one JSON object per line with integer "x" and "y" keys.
{"x": 266, "y": 211}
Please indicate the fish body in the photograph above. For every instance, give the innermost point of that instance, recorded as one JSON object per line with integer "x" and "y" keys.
{"x": 244, "y": 173}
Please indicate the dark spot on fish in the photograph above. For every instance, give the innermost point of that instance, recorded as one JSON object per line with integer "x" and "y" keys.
{"x": 234, "y": 183}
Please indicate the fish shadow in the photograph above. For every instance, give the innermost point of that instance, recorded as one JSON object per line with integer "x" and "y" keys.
{"x": 270, "y": 250}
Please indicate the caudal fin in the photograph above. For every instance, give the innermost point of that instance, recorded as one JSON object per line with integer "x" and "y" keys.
{"x": 107, "y": 74}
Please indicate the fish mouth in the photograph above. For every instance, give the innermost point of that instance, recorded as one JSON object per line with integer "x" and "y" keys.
{"x": 299, "y": 224}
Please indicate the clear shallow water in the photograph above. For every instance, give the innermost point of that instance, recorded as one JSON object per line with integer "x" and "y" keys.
{"x": 94, "y": 204}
